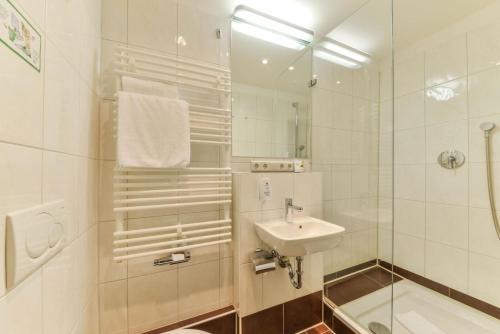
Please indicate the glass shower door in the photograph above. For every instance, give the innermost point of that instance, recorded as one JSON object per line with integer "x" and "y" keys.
{"x": 352, "y": 145}
{"x": 446, "y": 107}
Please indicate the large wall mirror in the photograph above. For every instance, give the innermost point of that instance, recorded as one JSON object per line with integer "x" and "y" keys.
{"x": 271, "y": 98}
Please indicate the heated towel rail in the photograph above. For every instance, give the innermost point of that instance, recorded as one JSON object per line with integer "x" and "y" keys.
{"x": 202, "y": 187}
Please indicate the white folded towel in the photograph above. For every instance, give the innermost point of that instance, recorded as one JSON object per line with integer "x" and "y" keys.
{"x": 139, "y": 86}
{"x": 153, "y": 131}
{"x": 417, "y": 324}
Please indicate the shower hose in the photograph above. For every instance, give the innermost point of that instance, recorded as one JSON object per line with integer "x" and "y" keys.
{"x": 490, "y": 183}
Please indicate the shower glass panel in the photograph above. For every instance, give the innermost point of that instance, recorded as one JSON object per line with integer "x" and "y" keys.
{"x": 352, "y": 145}
{"x": 446, "y": 101}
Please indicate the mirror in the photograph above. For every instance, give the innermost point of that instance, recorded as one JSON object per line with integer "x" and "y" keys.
{"x": 270, "y": 98}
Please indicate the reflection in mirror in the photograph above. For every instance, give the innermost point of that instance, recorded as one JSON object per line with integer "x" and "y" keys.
{"x": 270, "y": 93}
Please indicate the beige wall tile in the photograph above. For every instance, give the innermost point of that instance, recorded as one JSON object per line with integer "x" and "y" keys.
{"x": 147, "y": 18}
{"x": 199, "y": 289}
{"x": 484, "y": 47}
{"x": 113, "y": 307}
{"x": 114, "y": 20}
{"x": 409, "y": 75}
{"x": 446, "y": 62}
{"x": 152, "y": 301}
{"x": 446, "y": 265}
{"x": 22, "y": 120}
{"x": 25, "y": 299}
{"x": 446, "y": 102}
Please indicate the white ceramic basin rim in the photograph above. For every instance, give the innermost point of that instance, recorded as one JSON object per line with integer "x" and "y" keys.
{"x": 305, "y": 235}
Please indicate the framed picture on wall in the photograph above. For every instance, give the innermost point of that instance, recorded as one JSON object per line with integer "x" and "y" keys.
{"x": 19, "y": 35}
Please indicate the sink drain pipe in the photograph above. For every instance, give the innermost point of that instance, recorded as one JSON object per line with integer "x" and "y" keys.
{"x": 295, "y": 275}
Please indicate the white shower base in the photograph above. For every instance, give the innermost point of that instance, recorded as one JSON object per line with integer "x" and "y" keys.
{"x": 418, "y": 310}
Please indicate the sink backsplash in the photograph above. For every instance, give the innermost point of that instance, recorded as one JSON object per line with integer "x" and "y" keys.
{"x": 253, "y": 292}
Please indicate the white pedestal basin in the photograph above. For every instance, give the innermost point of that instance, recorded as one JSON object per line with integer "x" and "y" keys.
{"x": 304, "y": 235}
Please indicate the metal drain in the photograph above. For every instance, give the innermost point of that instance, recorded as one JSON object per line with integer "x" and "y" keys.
{"x": 378, "y": 328}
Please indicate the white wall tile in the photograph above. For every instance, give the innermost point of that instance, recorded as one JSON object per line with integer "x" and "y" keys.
{"x": 198, "y": 28}
{"x": 307, "y": 189}
{"x": 483, "y": 93}
{"x": 446, "y": 265}
{"x": 21, "y": 117}
{"x": 24, "y": 300}
{"x": 444, "y": 137}
{"x": 483, "y": 238}
{"x": 409, "y": 253}
{"x": 446, "y": 102}
{"x": 276, "y": 288}
{"x": 152, "y": 301}
{"x": 409, "y": 217}
{"x": 409, "y": 146}
{"x": 447, "y": 224}
{"x": 341, "y": 182}
{"x": 449, "y": 186}
{"x": 198, "y": 296}
{"x": 250, "y": 297}
{"x": 109, "y": 270}
{"x": 340, "y": 144}
{"x": 483, "y": 276}
{"x": 477, "y": 143}
{"x": 446, "y": 62}
{"x": 226, "y": 282}
{"x": 364, "y": 245}
{"x": 114, "y": 20}
{"x": 61, "y": 104}
{"x": 64, "y": 22}
{"x": 409, "y": 111}
{"x": 35, "y": 9}
{"x": 146, "y": 18}
{"x": 484, "y": 47}
{"x": 113, "y": 307}
{"x": 342, "y": 254}
{"x": 409, "y": 75}
{"x": 60, "y": 295}
{"x": 409, "y": 182}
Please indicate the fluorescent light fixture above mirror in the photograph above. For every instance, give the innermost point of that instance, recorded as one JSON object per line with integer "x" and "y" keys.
{"x": 336, "y": 58}
{"x": 345, "y": 50}
{"x": 270, "y": 29}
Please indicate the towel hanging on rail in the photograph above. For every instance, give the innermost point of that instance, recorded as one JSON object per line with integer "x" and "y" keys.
{"x": 153, "y": 132}
{"x": 148, "y": 87}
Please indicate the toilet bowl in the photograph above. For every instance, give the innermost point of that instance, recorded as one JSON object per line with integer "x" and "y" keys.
{"x": 187, "y": 331}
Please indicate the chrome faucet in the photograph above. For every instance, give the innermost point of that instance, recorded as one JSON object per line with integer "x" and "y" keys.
{"x": 290, "y": 208}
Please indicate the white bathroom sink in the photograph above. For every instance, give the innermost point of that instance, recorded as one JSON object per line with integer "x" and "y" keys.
{"x": 303, "y": 236}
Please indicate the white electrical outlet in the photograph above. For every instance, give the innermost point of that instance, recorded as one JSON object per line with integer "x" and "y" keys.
{"x": 272, "y": 166}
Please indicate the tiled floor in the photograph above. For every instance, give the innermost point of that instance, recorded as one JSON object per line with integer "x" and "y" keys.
{"x": 358, "y": 285}
{"x": 320, "y": 329}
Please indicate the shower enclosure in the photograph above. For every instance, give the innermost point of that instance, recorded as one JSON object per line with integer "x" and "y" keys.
{"x": 408, "y": 144}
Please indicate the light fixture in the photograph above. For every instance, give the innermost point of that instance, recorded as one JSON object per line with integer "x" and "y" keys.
{"x": 270, "y": 29}
{"x": 264, "y": 61}
{"x": 291, "y": 68}
{"x": 345, "y": 50}
{"x": 336, "y": 58}
{"x": 341, "y": 54}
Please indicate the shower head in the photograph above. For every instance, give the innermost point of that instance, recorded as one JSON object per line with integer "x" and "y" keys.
{"x": 487, "y": 126}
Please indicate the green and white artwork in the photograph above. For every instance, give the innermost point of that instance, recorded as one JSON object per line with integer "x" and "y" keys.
{"x": 19, "y": 35}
